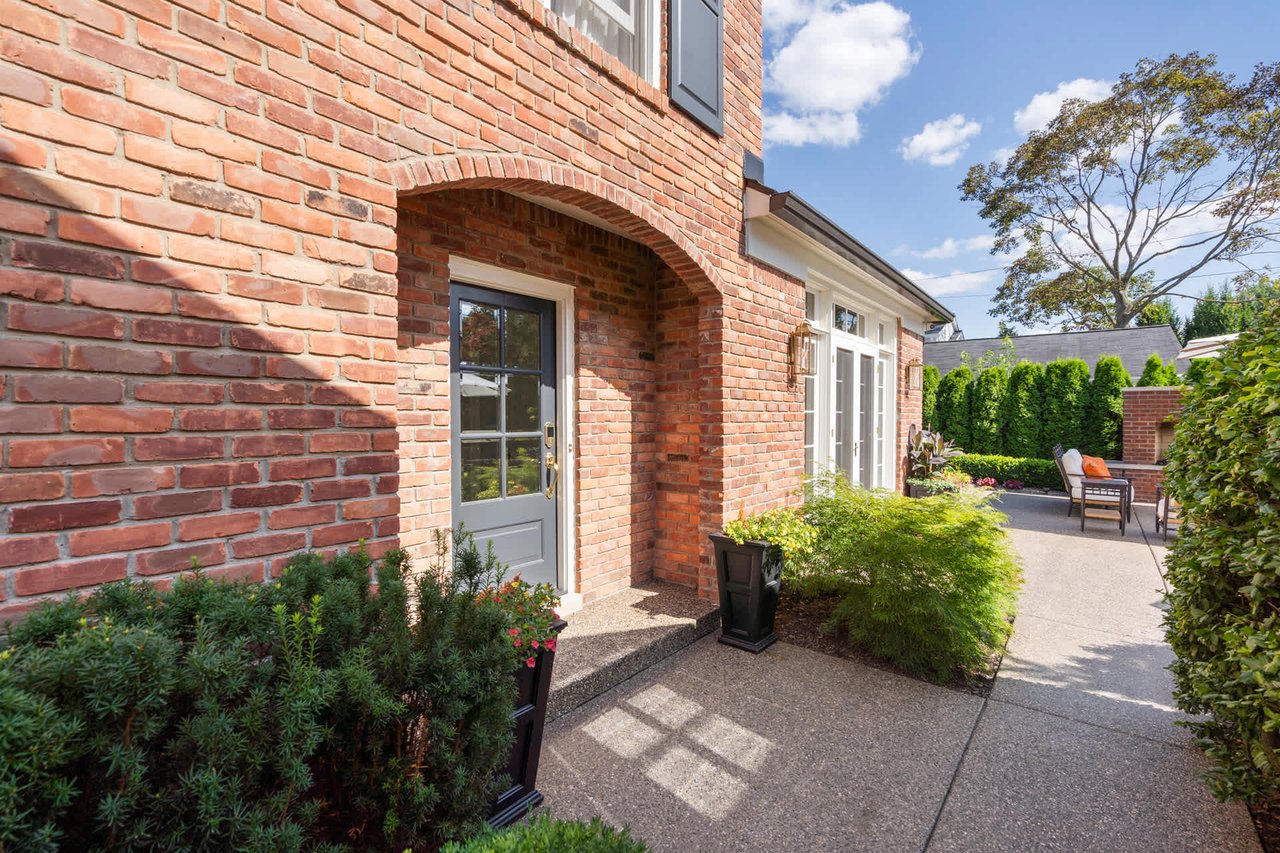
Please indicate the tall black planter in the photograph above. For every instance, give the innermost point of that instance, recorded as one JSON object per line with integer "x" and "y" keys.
{"x": 750, "y": 577}
{"x": 530, "y": 718}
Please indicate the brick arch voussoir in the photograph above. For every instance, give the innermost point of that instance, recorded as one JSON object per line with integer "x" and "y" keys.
{"x": 639, "y": 218}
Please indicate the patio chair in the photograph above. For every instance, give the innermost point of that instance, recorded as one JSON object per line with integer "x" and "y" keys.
{"x": 1168, "y": 511}
{"x": 1115, "y": 493}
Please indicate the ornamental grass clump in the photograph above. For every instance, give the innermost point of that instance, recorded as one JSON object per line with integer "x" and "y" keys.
{"x": 928, "y": 584}
{"x": 1223, "y": 618}
{"x": 319, "y": 712}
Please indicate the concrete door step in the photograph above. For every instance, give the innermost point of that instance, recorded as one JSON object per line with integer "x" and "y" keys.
{"x": 610, "y": 640}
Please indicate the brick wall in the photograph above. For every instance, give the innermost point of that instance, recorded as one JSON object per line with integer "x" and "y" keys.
{"x": 910, "y": 400}
{"x": 1145, "y": 409}
{"x": 198, "y": 269}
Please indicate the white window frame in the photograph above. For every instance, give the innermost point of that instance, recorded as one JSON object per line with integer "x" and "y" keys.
{"x": 644, "y": 25}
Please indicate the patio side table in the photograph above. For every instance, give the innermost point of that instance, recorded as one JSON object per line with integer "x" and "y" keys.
{"x": 1107, "y": 497}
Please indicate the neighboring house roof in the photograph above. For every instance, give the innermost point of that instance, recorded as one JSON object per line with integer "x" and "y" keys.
{"x": 1133, "y": 346}
{"x": 943, "y": 332}
{"x": 1206, "y": 347}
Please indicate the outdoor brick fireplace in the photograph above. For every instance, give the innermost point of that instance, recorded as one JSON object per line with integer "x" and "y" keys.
{"x": 1149, "y": 417}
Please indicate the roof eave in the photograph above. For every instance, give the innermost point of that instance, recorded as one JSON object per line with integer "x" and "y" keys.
{"x": 799, "y": 214}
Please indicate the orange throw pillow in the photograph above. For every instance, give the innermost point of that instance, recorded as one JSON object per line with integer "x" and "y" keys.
{"x": 1095, "y": 468}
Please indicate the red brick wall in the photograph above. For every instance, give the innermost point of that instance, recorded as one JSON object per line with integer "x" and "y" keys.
{"x": 1145, "y": 409}
{"x": 198, "y": 259}
{"x": 910, "y": 400}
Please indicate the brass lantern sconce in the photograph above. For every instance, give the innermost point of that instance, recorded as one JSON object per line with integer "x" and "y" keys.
{"x": 915, "y": 375}
{"x": 802, "y": 360}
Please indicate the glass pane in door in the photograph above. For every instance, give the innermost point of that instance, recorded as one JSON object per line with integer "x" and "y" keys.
{"x": 866, "y": 423}
{"x": 846, "y": 391}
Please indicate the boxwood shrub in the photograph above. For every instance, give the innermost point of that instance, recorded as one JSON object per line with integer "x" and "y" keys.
{"x": 1036, "y": 473}
{"x": 928, "y": 584}
{"x": 1224, "y": 566}
{"x": 312, "y": 713}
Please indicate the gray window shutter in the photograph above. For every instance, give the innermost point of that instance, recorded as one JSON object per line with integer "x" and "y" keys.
{"x": 696, "y": 60}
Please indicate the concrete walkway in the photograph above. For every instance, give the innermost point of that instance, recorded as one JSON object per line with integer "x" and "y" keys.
{"x": 718, "y": 750}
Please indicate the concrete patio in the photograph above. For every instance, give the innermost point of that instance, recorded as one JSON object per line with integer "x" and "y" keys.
{"x": 715, "y": 749}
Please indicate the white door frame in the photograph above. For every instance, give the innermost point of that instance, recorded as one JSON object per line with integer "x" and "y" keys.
{"x": 467, "y": 271}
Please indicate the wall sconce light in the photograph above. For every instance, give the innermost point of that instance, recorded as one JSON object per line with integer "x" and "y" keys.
{"x": 915, "y": 375}
{"x": 802, "y": 361}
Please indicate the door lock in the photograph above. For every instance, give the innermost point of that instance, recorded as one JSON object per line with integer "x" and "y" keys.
{"x": 549, "y": 440}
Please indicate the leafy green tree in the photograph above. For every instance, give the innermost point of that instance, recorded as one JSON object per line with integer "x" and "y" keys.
{"x": 1007, "y": 330}
{"x": 1006, "y": 356}
{"x": 1216, "y": 312}
{"x": 1023, "y": 409}
{"x": 1161, "y": 313}
{"x": 1095, "y": 201}
{"x": 1104, "y": 416}
{"x": 1223, "y": 572}
{"x": 931, "y": 377}
{"x": 1066, "y": 391}
{"x": 952, "y": 412}
{"x": 986, "y": 426}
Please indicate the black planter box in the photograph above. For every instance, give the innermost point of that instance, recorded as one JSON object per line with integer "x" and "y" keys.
{"x": 914, "y": 491}
{"x": 529, "y": 718}
{"x": 750, "y": 577}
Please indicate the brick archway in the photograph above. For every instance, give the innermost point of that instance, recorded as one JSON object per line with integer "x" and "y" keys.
{"x": 657, "y": 371}
{"x": 639, "y": 219}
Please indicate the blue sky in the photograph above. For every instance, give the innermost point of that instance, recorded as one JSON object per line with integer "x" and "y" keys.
{"x": 874, "y": 111}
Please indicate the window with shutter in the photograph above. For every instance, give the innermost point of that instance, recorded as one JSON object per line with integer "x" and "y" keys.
{"x": 696, "y": 29}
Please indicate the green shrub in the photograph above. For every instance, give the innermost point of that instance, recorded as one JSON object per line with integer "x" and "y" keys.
{"x": 296, "y": 715}
{"x": 1034, "y": 473}
{"x": 927, "y": 584}
{"x": 1104, "y": 415}
{"x": 952, "y": 411}
{"x": 1023, "y": 409}
{"x": 1224, "y": 567}
{"x": 929, "y": 381}
{"x": 1197, "y": 369}
{"x": 1066, "y": 391}
{"x": 1155, "y": 373}
{"x": 545, "y": 835}
{"x": 784, "y": 528}
{"x": 986, "y": 426}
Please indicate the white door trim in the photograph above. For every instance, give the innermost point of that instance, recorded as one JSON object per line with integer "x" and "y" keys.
{"x": 467, "y": 271}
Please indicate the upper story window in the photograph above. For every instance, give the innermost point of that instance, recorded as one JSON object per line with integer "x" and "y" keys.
{"x": 625, "y": 28}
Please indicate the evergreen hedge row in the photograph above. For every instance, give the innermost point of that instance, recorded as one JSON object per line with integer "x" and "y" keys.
{"x": 1025, "y": 411}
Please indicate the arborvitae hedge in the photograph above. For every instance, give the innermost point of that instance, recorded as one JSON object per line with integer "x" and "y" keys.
{"x": 987, "y": 402}
{"x": 1066, "y": 389}
{"x": 1104, "y": 416}
{"x": 952, "y": 413}
{"x": 931, "y": 378}
{"x": 1023, "y": 403}
{"x": 1156, "y": 373}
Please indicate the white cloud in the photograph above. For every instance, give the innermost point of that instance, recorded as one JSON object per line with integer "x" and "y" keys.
{"x": 835, "y": 59}
{"x": 941, "y": 142}
{"x": 1044, "y": 106}
{"x": 950, "y": 284}
{"x": 951, "y": 247}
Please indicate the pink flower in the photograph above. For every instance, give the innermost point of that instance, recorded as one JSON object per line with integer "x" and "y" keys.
{"x": 534, "y": 644}
{"x": 531, "y": 662}
{"x": 518, "y": 642}
{"x": 515, "y": 632}
{"x": 550, "y": 645}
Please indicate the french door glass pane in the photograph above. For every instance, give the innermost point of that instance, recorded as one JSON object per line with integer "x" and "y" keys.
{"x": 523, "y": 331}
{"x": 523, "y": 466}
{"x": 478, "y": 334}
{"x": 522, "y": 402}
{"x": 845, "y": 391}
{"x": 481, "y": 469}
{"x": 479, "y": 393}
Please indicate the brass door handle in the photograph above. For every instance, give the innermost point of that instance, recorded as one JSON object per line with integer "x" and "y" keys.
{"x": 555, "y": 474}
